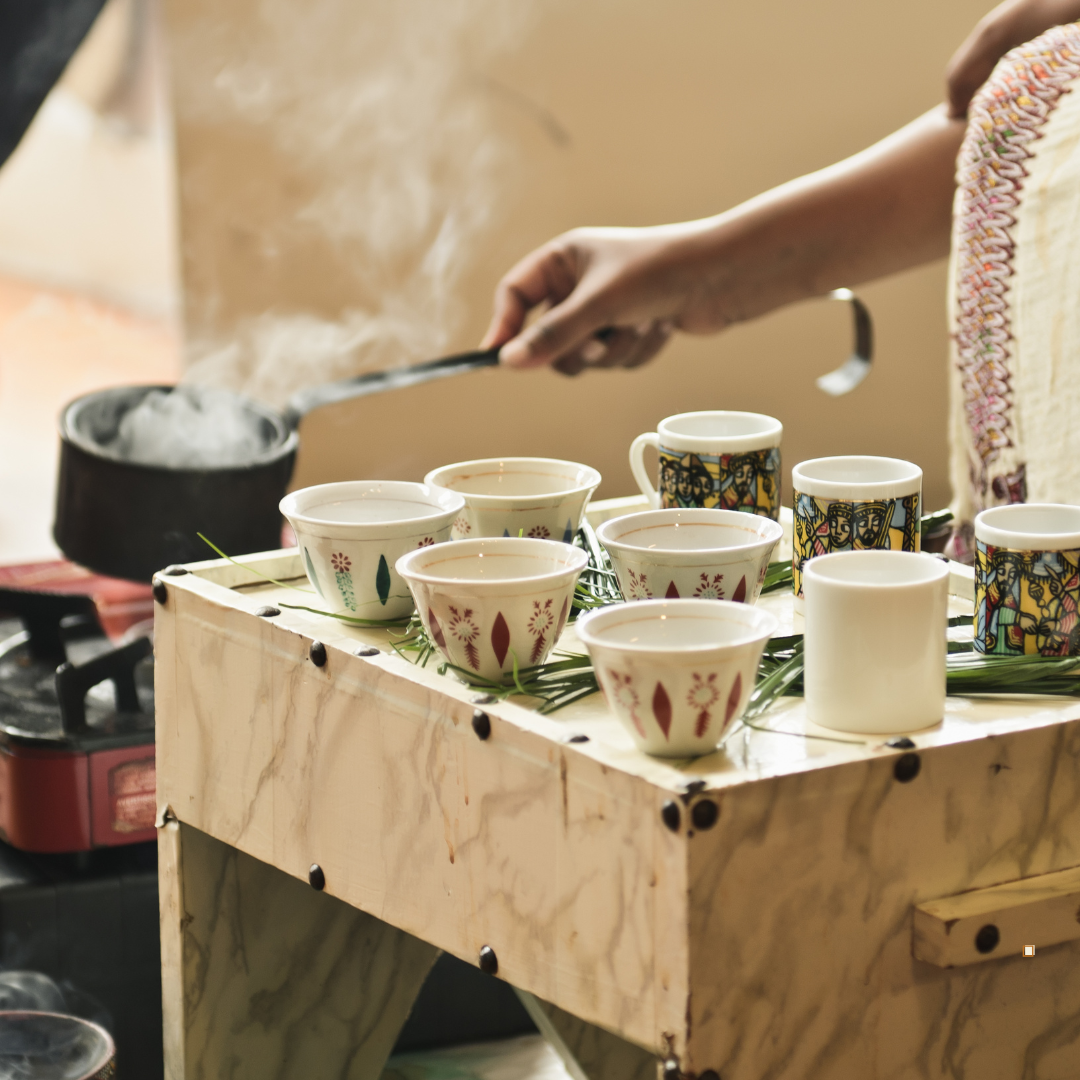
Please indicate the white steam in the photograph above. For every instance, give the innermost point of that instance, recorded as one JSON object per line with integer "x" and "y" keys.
{"x": 380, "y": 114}
{"x": 193, "y": 427}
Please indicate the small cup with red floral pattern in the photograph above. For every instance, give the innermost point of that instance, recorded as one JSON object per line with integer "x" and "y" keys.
{"x": 351, "y": 534}
{"x": 674, "y": 554}
{"x": 677, "y": 673}
{"x": 542, "y": 498}
{"x": 490, "y": 603}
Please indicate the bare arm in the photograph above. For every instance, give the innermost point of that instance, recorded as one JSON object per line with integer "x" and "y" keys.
{"x": 613, "y": 296}
{"x": 878, "y": 212}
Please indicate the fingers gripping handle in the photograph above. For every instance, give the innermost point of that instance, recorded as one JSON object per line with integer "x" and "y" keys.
{"x": 637, "y": 466}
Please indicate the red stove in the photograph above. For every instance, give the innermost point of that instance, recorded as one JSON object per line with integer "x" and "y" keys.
{"x": 76, "y": 709}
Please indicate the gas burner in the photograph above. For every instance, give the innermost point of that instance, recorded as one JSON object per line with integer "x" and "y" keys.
{"x": 76, "y": 727}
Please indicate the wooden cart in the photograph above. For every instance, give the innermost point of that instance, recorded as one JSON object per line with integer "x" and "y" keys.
{"x": 788, "y": 908}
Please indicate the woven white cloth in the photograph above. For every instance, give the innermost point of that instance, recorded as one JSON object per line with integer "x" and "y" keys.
{"x": 1014, "y": 298}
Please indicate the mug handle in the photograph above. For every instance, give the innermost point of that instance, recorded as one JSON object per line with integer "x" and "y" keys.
{"x": 637, "y": 466}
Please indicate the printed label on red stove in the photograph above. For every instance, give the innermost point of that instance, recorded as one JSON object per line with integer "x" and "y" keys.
{"x": 132, "y": 795}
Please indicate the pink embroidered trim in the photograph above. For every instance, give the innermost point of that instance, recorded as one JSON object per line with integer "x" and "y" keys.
{"x": 1004, "y": 119}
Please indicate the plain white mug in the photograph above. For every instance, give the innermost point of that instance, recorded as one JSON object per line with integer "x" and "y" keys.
{"x": 875, "y": 644}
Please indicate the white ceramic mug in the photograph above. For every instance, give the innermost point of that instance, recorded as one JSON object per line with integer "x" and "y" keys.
{"x": 726, "y": 460}
{"x": 853, "y": 503}
{"x": 875, "y": 639}
{"x": 1027, "y": 580}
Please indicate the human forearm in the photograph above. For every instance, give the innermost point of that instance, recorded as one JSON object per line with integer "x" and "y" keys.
{"x": 883, "y": 210}
{"x": 886, "y": 209}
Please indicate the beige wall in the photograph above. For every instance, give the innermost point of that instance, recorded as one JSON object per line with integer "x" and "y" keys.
{"x": 302, "y": 231}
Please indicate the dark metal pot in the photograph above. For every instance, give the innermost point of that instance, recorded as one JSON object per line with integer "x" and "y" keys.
{"x": 128, "y": 520}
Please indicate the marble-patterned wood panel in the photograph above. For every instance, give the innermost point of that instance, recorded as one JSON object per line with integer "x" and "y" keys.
{"x": 589, "y": 1052}
{"x": 557, "y": 862}
{"x": 1037, "y": 912}
{"x": 802, "y": 907}
{"x": 775, "y": 943}
{"x": 266, "y": 979}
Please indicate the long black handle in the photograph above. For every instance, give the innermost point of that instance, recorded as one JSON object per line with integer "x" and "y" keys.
{"x": 377, "y": 382}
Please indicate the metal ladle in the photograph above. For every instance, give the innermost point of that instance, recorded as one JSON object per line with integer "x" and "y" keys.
{"x": 856, "y": 367}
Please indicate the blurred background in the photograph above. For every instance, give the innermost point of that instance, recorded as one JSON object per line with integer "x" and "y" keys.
{"x": 269, "y": 193}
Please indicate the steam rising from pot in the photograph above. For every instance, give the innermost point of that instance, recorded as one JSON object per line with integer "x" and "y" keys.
{"x": 376, "y": 162}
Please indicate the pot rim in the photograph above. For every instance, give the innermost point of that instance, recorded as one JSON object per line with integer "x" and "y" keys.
{"x": 70, "y": 434}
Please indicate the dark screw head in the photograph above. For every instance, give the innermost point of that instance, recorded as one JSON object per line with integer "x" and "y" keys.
{"x": 907, "y": 767}
{"x": 161, "y": 594}
{"x": 481, "y": 724}
{"x": 484, "y": 699}
{"x": 986, "y": 940}
{"x": 176, "y": 571}
{"x": 709, "y": 1074}
{"x": 902, "y": 742}
{"x": 367, "y": 650}
{"x": 316, "y": 877}
{"x": 268, "y": 612}
{"x": 693, "y": 786}
{"x": 489, "y": 962}
{"x": 704, "y": 814}
{"x": 670, "y": 815}
{"x": 578, "y": 738}
{"x": 317, "y": 652}
{"x": 671, "y": 1070}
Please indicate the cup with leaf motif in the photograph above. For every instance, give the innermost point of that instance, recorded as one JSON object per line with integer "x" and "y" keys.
{"x": 351, "y": 535}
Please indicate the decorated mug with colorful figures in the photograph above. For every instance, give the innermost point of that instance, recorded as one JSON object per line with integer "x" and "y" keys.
{"x": 1027, "y": 580}
{"x": 853, "y": 503}
{"x": 721, "y": 460}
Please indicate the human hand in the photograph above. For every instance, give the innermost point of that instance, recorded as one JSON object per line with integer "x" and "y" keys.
{"x": 613, "y": 298}
{"x": 1008, "y": 25}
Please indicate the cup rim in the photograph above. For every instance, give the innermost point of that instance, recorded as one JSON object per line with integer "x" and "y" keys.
{"x": 991, "y": 532}
{"x": 478, "y": 497}
{"x": 697, "y": 513}
{"x": 933, "y": 569}
{"x": 522, "y": 545}
{"x": 589, "y": 625}
{"x": 290, "y": 505}
{"x": 892, "y": 487}
{"x": 766, "y": 439}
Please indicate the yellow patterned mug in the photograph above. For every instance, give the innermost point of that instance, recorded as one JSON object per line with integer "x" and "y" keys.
{"x": 1027, "y": 580}
{"x": 853, "y": 503}
{"x": 726, "y": 460}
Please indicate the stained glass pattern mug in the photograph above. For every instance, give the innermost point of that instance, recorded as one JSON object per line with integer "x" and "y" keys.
{"x": 726, "y": 460}
{"x": 853, "y": 503}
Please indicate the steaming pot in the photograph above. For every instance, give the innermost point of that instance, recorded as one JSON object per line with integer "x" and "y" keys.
{"x": 129, "y": 520}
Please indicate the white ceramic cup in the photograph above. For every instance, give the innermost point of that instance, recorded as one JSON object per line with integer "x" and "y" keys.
{"x": 875, "y": 640}
{"x": 486, "y": 602}
{"x": 726, "y": 460}
{"x": 541, "y": 498}
{"x": 853, "y": 503}
{"x": 1027, "y": 580}
{"x": 708, "y": 554}
{"x": 351, "y": 534}
{"x": 677, "y": 672}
